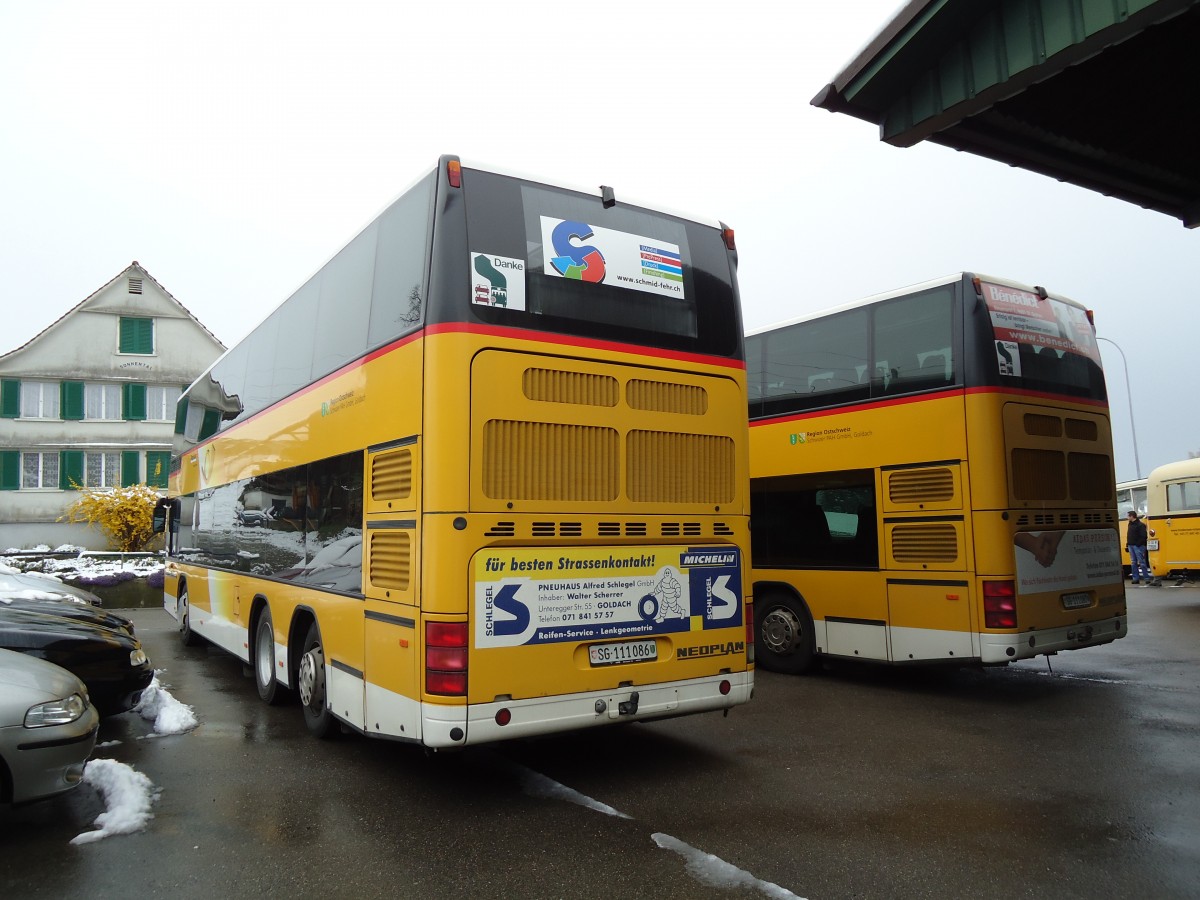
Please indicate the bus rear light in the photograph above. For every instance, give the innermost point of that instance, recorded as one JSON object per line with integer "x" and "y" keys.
{"x": 503, "y": 716}
{"x": 725, "y": 687}
{"x": 446, "y": 658}
{"x": 454, "y": 173}
{"x": 446, "y": 684}
{"x": 727, "y": 236}
{"x": 999, "y": 604}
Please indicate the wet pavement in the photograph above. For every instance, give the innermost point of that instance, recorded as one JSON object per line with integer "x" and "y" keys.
{"x": 1080, "y": 778}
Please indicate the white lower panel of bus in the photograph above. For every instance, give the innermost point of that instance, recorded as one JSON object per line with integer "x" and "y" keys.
{"x": 225, "y": 634}
{"x": 890, "y": 643}
{"x": 996, "y": 648}
{"x": 546, "y": 715}
{"x": 878, "y": 641}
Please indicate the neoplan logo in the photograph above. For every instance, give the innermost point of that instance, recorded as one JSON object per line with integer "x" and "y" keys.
{"x": 706, "y": 650}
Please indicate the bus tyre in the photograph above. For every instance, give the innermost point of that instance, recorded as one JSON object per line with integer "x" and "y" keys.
{"x": 269, "y": 688}
{"x": 784, "y": 642}
{"x": 187, "y": 637}
{"x": 312, "y": 684}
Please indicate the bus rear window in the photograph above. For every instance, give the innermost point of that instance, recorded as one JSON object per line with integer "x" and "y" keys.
{"x": 1042, "y": 342}
{"x": 553, "y": 259}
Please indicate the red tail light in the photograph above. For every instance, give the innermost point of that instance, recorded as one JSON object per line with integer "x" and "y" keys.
{"x": 749, "y": 632}
{"x": 446, "y": 658}
{"x": 999, "y": 604}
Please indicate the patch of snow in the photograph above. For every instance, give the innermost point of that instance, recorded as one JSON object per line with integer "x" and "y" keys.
{"x": 128, "y": 795}
{"x": 168, "y": 714}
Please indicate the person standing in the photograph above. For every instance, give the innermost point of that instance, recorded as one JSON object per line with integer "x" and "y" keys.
{"x": 1135, "y": 543}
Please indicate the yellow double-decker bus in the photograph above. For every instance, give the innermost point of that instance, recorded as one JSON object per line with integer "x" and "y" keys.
{"x": 932, "y": 480}
{"x": 484, "y": 475}
{"x": 1173, "y": 520}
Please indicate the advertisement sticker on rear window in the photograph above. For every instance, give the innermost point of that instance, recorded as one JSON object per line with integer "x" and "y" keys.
{"x": 547, "y": 595}
{"x": 497, "y": 281}
{"x": 590, "y": 253}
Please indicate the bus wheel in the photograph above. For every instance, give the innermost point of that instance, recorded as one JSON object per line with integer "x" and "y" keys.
{"x": 269, "y": 688}
{"x": 784, "y": 642}
{"x": 188, "y": 637}
{"x": 311, "y": 682}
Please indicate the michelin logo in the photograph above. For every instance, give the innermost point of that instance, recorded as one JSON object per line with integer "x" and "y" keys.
{"x": 694, "y": 559}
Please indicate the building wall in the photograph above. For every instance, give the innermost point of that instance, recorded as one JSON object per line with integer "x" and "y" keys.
{"x": 165, "y": 348}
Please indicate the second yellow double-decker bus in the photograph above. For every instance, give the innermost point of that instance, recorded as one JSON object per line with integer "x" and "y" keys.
{"x": 932, "y": 480}
{"x": 484, "y": 476}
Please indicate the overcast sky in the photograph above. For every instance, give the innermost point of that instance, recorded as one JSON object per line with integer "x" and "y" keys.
{"x": 232, "y": 147}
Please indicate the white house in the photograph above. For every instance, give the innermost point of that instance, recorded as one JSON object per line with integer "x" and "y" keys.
{"x": 90, "y": 402}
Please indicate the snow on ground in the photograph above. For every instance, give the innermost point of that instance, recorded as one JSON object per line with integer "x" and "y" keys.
{"x": 128, "y": 796}
{"x": 85, "y": 568}
{"x": 168, "y": 714}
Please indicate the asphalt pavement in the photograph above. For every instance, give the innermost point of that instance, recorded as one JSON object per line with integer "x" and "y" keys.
{"x": 1077, "y": 777}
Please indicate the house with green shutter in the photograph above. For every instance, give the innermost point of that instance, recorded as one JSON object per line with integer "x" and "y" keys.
{"x": 90, "y": 402}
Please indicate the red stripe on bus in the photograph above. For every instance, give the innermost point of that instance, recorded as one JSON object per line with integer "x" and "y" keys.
{"x": 921, "y": 398}
{"x": 544, "y": 337}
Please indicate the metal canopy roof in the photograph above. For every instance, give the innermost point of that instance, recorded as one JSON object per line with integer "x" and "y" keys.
{"x": 1104, "y": 94}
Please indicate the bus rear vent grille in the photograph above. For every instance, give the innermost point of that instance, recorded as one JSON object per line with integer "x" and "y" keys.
{"x": 582, "y": 388}
{"x": 1042, "y": 475}
{"x": 1038, "y": 425}
{"x": 680, "y": 529}
{"x": 1082, "y": 430}
{"x": 549, "y": 461}
{"x": 921, "y": 486}
{"x": 670, "y": 467}
{"x": 663, "y": 396}
{"x": 924, "y": 543}
{"x": 391, "y": 475}
{"x": 1066, "y": 518}
{"x": 557, "y": 529}
{"x": 391, "y": 559}
{"x": 502, "y": 529}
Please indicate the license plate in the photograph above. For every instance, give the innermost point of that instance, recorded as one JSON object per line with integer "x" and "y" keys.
{"x": 1076, "y": 601}
{"x": 1152, "y": 544}
{"x": 623, "y": 652}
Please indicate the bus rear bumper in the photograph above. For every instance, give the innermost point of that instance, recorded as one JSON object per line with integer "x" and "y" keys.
{"x": 549, "y": 715}
{"x": 1003, "y": 648}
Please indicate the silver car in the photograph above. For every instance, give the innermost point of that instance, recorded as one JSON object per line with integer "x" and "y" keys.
{"x": 47, "y": 728}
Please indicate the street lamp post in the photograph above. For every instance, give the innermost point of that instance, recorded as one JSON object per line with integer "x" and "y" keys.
{"x": 1128, "y": 396}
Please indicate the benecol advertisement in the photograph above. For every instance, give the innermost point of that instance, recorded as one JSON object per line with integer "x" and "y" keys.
{"x": 548, "y": 595}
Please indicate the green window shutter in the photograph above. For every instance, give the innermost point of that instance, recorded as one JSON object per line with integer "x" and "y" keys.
{"x": 133, "y": 402}
{"x": 10, "y": 470}
{"x": 10, "y": 404}
{"x": 71, "y": 400}
{"x": 212, "y": 421}
{"x": 130, "y": 467}
{"x": 70, "y": 470}
{"x": 158, "y": 468}
{"x": 137, "y": 335}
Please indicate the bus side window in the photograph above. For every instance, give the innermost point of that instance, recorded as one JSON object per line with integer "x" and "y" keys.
{"x": 866, "y": 539}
